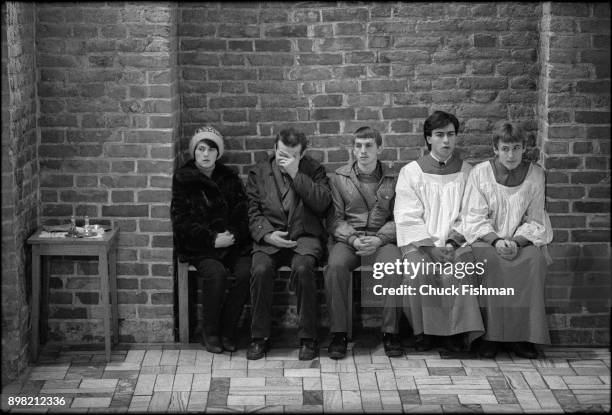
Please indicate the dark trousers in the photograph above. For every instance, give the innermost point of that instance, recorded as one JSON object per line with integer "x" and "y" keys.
{"x": 302, "y": 279}
{"x": 221, "y": 311}
{"x": 338, "y": 274}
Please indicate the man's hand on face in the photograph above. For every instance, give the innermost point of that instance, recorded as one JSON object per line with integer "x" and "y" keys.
{"x": 277, "y": 238}
{"x": 288, "y": 163}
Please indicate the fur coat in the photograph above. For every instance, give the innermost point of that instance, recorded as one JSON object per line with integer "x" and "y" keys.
{"x": 202, "y": 207}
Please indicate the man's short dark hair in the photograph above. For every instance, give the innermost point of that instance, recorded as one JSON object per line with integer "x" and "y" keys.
{"x": 368, "y": 132}
{"x": 291, "y": 138}
{"x": 438, "y": 119}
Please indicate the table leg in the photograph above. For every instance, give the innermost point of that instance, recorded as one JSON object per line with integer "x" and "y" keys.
{"x": 35, "y": 300}
{"x": 103, "y": 271}
{"x": 113, "y": 292}
{"x": 45, "y": 267}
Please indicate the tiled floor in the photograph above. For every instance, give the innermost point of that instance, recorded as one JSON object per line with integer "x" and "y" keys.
{"x": 174, "y": 378}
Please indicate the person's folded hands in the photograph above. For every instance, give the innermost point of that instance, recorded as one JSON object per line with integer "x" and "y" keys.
{"x": 224, "y": 239}
{"x": 507, "y": 249}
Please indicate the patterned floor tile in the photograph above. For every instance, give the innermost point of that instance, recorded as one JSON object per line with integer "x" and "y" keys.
{"x": 409, "y": 397}
{"x": 285, "y": 399}
{"x": 311, "y": 383}
{"x": 437, "y": 399}
{"x": 419, "y": 409}
{"x": 469, "y": 408}
{"x": 442, "y": 371}
{"x": 91, "y": 402}
{"x": 311, "y": 397}
{"x": 300, "y": 409}
{"x": 246, "y": 400}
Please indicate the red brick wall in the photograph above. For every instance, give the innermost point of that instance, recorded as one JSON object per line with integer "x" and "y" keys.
{"x": 574, "y": 129}
{"x": 19, "y": 180}
{"x": 108, "y": 120}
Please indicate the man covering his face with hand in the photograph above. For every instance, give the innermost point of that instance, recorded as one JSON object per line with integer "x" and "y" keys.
{"x": 289, "y": 196}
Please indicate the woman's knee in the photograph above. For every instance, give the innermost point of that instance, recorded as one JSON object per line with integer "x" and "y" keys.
{"x": 242, "y": 271}
{"x": 212, "y": 269}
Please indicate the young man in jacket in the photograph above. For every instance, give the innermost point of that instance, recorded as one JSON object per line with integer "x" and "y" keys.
{"x": 364, "y": 232}
{"x": 288, "y": 197}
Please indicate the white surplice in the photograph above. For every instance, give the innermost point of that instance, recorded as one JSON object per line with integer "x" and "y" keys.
{"x": 507, "y": 211}
{"x": 427, "y": 205}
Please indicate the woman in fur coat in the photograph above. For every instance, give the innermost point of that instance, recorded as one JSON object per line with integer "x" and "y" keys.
{"x": 211, "y": 231}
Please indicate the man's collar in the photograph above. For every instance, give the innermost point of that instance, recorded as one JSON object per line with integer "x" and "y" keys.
{"x": 440, "y": 161}
{"x": 375, "y": 170}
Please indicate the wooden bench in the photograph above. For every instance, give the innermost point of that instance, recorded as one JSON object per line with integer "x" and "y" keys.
{"x": 183, "y": 298}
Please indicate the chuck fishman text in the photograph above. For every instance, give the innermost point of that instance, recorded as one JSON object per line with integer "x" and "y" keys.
{"x": 466, "y": 289}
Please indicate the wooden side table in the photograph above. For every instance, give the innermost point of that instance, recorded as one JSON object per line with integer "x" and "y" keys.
{"x": 105, "y": 248}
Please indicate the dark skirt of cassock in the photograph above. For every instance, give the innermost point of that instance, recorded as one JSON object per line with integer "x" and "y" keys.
{"x": 518, "y": 317}
{"x": 442, "y": 315}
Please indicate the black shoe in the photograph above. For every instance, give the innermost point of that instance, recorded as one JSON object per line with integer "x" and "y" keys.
{"x": 309, "y": 349}
{"x": 525, "y": 349}
{"x": 392, "y": 345}
{"x": 487, "y": 349}
{"x": 257, "y": 349}
{"x": 423, "y": 343}
{"x": 337, "y": 347}
{"x": 212, "y": 344}
{"x": 454, "y": 343}
{"x": 228, "y": 344}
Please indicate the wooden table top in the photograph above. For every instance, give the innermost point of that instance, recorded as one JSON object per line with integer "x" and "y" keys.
{"x": 106, "y": 239}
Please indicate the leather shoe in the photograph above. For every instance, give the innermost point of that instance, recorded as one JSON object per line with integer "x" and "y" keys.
{"x": 228, "y": 344}
{"x": 454, "y": 343}
{"x": 257, "y": 349}
{"x": 392, "y": 345}
{"x": 423, "y": 343}
{"x": 526, "y": 350}
{"x": 212, "y": 344}
{"x": 487, "y": 349}
{"x": 337, "y": 347}
{"x": 309, "y": 349}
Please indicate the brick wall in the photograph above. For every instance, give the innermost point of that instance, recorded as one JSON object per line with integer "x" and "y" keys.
{"x": 19, "y": 179}
{"x": 108, "y": 120}
{"x": 574, "y": 129}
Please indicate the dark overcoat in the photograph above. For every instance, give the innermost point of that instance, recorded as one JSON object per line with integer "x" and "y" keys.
{"x": 202, "y": 207}
{"x": 304, "y": 221}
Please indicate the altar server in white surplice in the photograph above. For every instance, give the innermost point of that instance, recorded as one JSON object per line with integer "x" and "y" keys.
{"x": 504, "y": 220}
{"x": 427, "y": 205}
